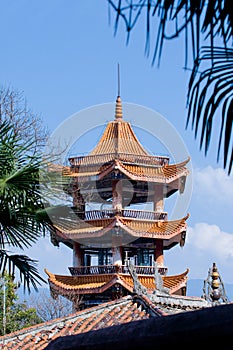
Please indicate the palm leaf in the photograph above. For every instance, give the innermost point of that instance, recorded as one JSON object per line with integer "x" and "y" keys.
{"x": 168, "y": 19}
{"x": 26, "y": 266}
{"x": 210, "y": 96}
{"x": 20, "y": 200}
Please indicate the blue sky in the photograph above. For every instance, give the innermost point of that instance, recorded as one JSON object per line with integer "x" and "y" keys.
{"x": 63, "y": 55}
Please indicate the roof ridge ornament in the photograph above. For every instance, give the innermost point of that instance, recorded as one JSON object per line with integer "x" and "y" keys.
{"x": 118, "y": 111}
{"x": 159, "y": 287}
{"x": 138, "y": 288}
{"x": 213, "y": 289}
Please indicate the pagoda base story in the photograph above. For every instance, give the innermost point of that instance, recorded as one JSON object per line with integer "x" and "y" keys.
{"x": 92, "y": 285}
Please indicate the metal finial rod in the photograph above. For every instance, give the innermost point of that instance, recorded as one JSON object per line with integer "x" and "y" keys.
{"x": 118, "y": 111}
{"x": 118, "y": 79}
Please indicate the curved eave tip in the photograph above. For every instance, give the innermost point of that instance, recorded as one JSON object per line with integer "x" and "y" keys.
{"x": 47, "y": 272}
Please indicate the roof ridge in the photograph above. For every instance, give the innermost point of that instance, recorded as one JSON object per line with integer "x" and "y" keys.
{"x": 23, "y": 332}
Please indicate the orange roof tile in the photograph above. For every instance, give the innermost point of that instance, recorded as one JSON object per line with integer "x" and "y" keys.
{"x": 154, "y": 229}
{"x": 121, "y": 311}
{"x": 132, "y": 227}
{"x": 119, "y": 137}
{"x": 152, "y": 173}
{"x": 108, "y": 314}
{"x": 119, "y": 148}
{"x": 89, "y": 284}
{"x": 141, "y": 172}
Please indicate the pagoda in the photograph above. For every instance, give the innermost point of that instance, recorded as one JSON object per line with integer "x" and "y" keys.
{"x": 107, "y": 228}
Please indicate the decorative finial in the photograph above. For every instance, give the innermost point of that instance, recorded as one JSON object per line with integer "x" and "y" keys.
{"x": 118, "y": 111}
{"x": 213, "y": 289}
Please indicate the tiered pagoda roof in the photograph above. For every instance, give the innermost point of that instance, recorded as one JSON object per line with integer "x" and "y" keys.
{"x": 99, "y": 283}
{"x": 119, "y": 149}
{"x": 144, "y": 170}
{"x": 119, "y": 173}
{"x": 172, "y": 232}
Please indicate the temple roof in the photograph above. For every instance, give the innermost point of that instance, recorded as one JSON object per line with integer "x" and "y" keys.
{"x": 119, "y": 138}
{"x": 119, "y": 148}
{"x": 89, "y": 284}
{"x": 129, "y": 229}
{"x": 104, "y": 316}
{"x": 140, "y": 172}
{"x": 112, "y": 313}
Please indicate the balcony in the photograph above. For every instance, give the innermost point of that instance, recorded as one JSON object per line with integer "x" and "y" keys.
{"x": 110, "y": 269}
{"x": 125, "y": 157}
{"x": 127, "y": 213}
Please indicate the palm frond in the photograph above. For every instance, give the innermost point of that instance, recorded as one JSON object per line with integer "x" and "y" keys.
{"x": 20, "y": 200}
{"x": 210, "y": 95}
{"x": 26, "y": 267}
{"x": 168, "y": 19}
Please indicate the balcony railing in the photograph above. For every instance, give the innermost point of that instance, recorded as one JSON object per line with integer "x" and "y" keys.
{"x": 110, "y": 269}
{"x": 127, "y": 213}
{"x": 125, "y": 157}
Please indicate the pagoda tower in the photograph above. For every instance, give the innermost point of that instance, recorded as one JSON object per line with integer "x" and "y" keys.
{"x": 118, "y": 179}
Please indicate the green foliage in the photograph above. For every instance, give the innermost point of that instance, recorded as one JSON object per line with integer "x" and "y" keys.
{"x": 17, "y": 315}
{"x": 20, "y": 316}
{"x": 20, "y": 200}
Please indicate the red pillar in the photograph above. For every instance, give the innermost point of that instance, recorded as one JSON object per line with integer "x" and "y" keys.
{"x": 77, "y": 255}
{"x": 158, "y": 253}
{"x": 117, "y": 194}
{"x": 117, "y": 205}
{"x": 158, "y": 198}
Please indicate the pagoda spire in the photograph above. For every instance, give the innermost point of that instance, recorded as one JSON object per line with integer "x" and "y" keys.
{"x": 118, "y": 110}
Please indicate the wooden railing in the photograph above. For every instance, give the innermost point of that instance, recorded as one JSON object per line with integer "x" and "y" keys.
{"x": 109, "y": 269}
{"x": 127, "y": 213}
{"x": 125, "y": 157}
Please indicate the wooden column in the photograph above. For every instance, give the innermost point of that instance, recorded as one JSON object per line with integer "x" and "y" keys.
{"x": 78, "y": 200}
{"x": 116, "y": 205}
{"x": 117, "y": 255}
{"x": 158, "y": 253}
{"x": 77, "y": 255}
{"x": 158, "y": 198}
{"x": 117, "y": 194}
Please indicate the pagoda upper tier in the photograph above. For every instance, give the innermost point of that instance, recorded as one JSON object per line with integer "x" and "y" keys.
{"x": 119, "y": 151}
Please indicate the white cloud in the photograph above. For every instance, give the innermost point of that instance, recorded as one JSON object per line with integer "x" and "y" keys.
{"x": 214, "y": 184}
{"x": 205, "y": 244}
{"x": 210, "y": 239}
